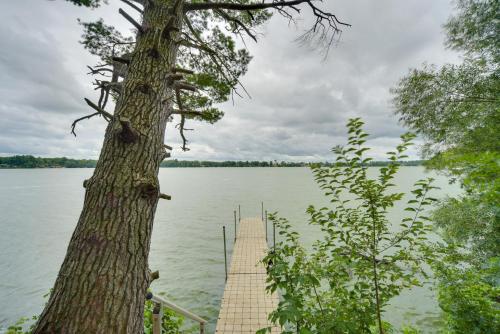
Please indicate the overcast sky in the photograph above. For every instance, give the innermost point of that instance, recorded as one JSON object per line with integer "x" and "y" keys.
{"x": 300, "y": 102}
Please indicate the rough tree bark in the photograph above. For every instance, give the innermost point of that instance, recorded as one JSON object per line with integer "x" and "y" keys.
{"x": 103, "y": 280}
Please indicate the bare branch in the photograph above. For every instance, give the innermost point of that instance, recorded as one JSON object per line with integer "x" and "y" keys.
{"x": 133, "y": 6}
{"x": 103, "y": 99}
{"x": 165, "y": 155}
{"x": 96, "y": 71}
{"x": 104, "y": 113}
{"x": 173, "y": 77}
{"x": 183, "y": 120}
{"x": 99, "y": 111}
{"x": 182, "y": 70}
{"x": 153, "y": 275}
{"x": 185, "y": 86}
{"x": 103, "y": 84}
{"x": 187, "y": 112}
{"x": 122, "y": 60}
{"x": 238, "y": 6}
{"x": 73, "y": 125}
{"x": 131, "y": 20}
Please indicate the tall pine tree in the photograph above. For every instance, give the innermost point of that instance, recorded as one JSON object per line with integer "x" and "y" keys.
{"x": 182, "y": 62}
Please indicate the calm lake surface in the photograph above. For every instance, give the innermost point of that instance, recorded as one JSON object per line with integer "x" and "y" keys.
{"x": 39, "y": 209}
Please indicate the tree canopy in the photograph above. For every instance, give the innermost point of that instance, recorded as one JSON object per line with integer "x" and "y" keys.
{"x": 456, "y": 108}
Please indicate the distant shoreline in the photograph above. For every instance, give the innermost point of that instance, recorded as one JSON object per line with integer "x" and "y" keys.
{"x": 31, "y": 162}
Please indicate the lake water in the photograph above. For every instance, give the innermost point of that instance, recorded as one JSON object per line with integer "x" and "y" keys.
{"x": 40, "y": 207}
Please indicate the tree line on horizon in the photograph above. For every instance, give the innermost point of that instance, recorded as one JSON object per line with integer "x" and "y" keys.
{"x": 29, "y": 161}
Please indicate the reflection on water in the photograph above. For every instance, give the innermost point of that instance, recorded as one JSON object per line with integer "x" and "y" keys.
{"x": 39, "y": 209}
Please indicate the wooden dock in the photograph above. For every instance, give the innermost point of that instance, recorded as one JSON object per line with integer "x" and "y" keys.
{"x": 246, "y": 304}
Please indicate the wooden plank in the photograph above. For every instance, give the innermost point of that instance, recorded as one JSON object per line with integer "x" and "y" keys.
{"x": 246, "y": 304}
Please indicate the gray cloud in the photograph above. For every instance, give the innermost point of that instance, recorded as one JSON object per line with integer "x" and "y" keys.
{"x": 300, "y": 102}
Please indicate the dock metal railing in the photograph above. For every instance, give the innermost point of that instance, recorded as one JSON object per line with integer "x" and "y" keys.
{"x": 160, "y": 303}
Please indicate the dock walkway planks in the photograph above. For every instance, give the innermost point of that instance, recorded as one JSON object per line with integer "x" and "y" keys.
{"x": 246, "y": 304}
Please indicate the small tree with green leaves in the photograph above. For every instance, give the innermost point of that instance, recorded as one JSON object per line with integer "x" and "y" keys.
{"x": 363, "y": 260}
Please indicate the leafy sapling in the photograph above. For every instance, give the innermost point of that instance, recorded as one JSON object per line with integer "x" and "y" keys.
{"x": 344, "y": 283}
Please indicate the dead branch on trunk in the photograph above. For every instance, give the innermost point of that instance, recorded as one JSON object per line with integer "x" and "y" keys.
{"x": 73, "y": 125}
{"x": 182, "y": 122}
{"x": 182, "y": 70}
{"x": 107, "y": 116}
{"x": 122, "y": 60}
{"x": 119, "y": 69}
{"x": 172, "y": 77}
{"x": 99, "y": 71}
{"x": 99, "y": 111}
{"x": 148, "y": 187}
{"x": 165, "y": 196}
{"x": 131, "y": 20}
{"x": 178, "y": 85}
{"x": 106, "y": 85}
{"x": 186, "y": 112}
{"x": 153, "y": 275}
{"x": 127, "y": 134}
{"x": 164, "y": 155}
{"x": 133, "y": 6}
{"x": 164, "y": 152}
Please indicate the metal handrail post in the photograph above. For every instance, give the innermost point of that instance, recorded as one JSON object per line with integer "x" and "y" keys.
{"x": 262, "y": 210}
{"x": 225, "y": 252}
{"x": 234, "y": 225}
{"x": 266, "y": 225}
{"x": 274, "y": 234}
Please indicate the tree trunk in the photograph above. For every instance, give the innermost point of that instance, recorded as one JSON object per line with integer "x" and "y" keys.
{"x": 103, "y": 280}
